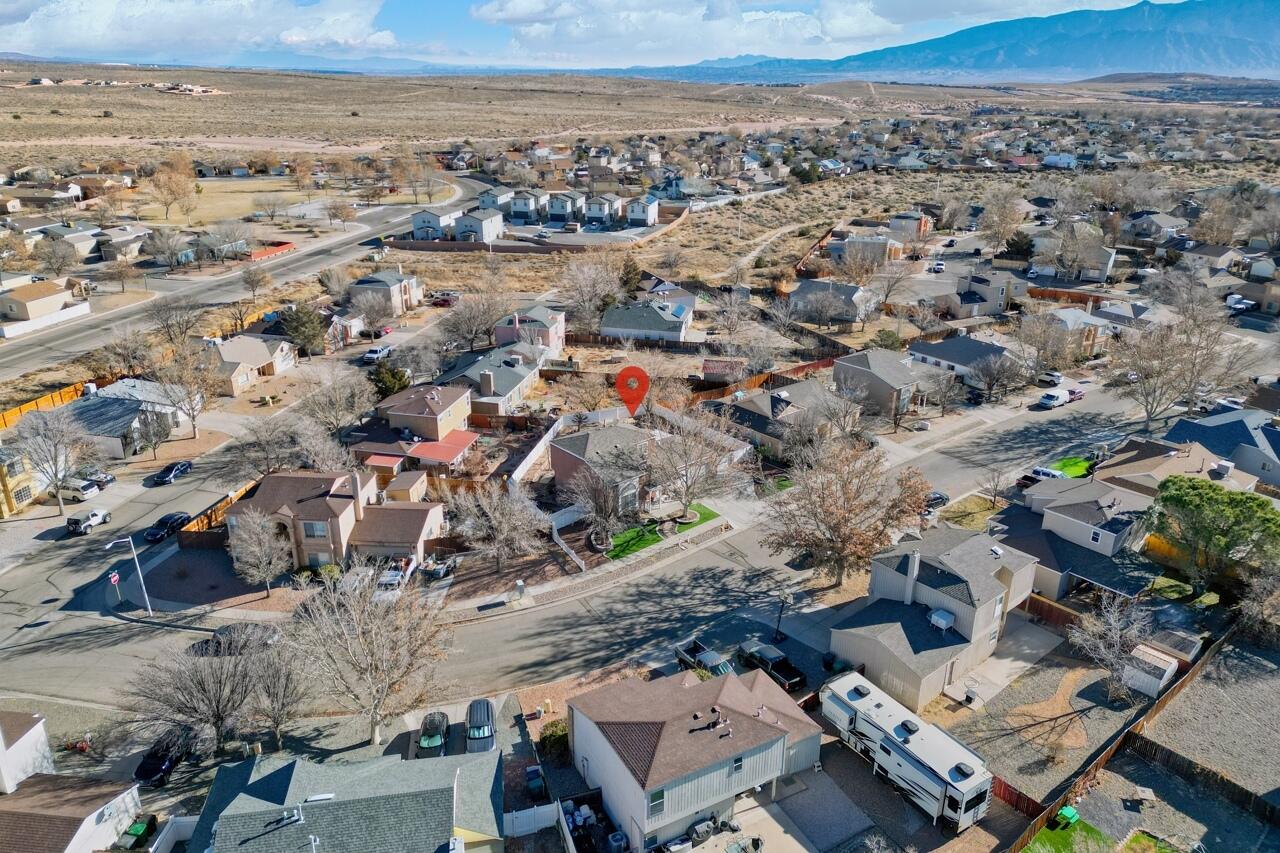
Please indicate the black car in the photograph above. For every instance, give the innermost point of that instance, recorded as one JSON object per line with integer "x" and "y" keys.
{"x": 936, "y": 499}
{"x": 157, "y": 765}
{"x": 172, "y": 472}
{"x": 976, "y": 397}
{"x": 165, "y": 526}
{"x": 433, "y": 736}
{"x": 949, "y": 244}
{"x": 480, "y": 736}
{"x": 234, "y": 639}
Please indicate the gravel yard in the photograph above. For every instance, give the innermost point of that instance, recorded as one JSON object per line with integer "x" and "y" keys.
{"x": 1037, "y": 731}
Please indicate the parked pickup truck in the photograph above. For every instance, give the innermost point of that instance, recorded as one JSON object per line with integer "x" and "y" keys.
{"x": 692, "y": 654}
{"x": 756, "y": 655}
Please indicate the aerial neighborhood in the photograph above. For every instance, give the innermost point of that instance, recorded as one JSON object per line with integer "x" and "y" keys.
{"x": 696, "y": 457}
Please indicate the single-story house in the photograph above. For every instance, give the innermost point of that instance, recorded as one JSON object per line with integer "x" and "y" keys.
{"x": 1248, "y": 438}
{"x": 64, "y": 813}
{"x": 765, "y": 417}
{"x": 647, "y": 320}
{"x": 244, "y": 359}
{"x": 110, "y": 423}
{"x": 24, "y": 748}
{"x": 958, "y": 354}
{"x": 35, "y": 300}
{"x": 499, "y": 378}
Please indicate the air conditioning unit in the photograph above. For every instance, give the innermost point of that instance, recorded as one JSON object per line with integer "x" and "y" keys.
{"x": 942, "y": 619}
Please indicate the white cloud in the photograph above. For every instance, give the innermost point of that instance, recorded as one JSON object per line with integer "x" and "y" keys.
{"x": 521, "y": 11}
{"x": 176, "y": 29}
{"x": 657, "y": 32}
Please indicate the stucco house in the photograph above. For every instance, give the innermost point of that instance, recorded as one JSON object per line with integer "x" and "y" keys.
{"x": 434, "y": 224}
{"x": 24, "y": 748}
{"x": 244, "y": 359}
{"x": 428, "y": 411}
{"x": 888, "y": 379}
{"x": 1248, "y": 438}
{"x": 959, "y": 354}
{"x": 479, "y": 226}
{"x": 17, "y": 483}
{"x": 546, "y": 324}
{"x": 672, "y": 751}
{"x": 63, "y": 813}
{"x": 567, "y": 206}
{"x": 402, "y": 292}
{"x": 498, "y": 378}
{"x": 328, "y": 515}
{"x": 938, "y": 604}
{"x": 34, "y": 300}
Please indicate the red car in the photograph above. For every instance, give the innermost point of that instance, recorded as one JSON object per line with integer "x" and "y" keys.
{"x": 1074, "y": 394}
{"x": 444, "y": 302}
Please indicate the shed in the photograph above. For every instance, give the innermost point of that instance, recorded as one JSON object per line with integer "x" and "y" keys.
{"x": 1149, "y": 671}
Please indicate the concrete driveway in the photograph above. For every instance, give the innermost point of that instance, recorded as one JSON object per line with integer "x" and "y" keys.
{"x": 820, "y": 810}
{"x": 1021, "y": 646}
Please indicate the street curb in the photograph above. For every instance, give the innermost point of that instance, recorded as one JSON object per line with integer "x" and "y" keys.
{"x": 606, "y": 583}
{"x": 155, "y": 623}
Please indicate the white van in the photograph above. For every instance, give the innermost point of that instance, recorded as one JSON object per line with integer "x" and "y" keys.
{"x": 1053, "y": 399}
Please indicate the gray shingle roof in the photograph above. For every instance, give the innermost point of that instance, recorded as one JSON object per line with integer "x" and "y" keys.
{"x": 958, "y": 349}
{"x": 507, "y": 374}
{"x": 904, "y": 630}
{"x": 643, "y": 316}
{"x": 958, "y": 563}
{"x": 110, "y": 417}
{"x": 381, "y": 806}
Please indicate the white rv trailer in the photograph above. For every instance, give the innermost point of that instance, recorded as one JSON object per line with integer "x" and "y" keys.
{"x": 932, "y": 769}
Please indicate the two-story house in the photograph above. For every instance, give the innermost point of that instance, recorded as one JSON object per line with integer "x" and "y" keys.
{"x": 479, "y": 226}
{"x": 642, "y": 212}
{"x": 17, "y": 483}
{"x": 430, "y": 412}
{"x": 530, "y": 205}
{"x": 402, "y": 292}
{"x": 567, "y": 206}
{"x": 434, "y": 224}
{"x": 937, "y": 606}
{"x": 328, "y": 515}
{"x": 496, "y": 198}
{"x": 887, "y": 381}
{"x": 673, "y": 751}
{"x": 604, "y": 209}
{"x": 539, "y": 322}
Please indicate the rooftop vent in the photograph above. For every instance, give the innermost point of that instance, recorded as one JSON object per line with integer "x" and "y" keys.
{"x": 318, "y": 798}
{"x": 862, "y": 690}
{"x": 910, "y": 726}
{"x": 997, "y": 551}
{"x": 964, "y": 771}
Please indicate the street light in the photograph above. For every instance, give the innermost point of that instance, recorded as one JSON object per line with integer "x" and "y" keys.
{"x": 784, "y": 598}
{"x": 141, "y": 581}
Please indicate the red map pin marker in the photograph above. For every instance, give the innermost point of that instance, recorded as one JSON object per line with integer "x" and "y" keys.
{"x": 632, "y": 384}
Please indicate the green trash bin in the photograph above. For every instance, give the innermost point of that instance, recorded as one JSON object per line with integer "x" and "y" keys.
{"x": 1067, "y": 815}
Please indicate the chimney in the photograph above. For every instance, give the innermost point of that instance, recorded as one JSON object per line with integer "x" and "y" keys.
{"x": 486, "y": 383}
{"x": 355, "y": 493}
{"x": 913, "y": 572}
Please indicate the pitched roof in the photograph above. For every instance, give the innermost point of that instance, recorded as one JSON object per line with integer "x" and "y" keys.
{"x": 142, "y": 390}
{"x": 395, "y": 523}
{"x": 381, "y": 806}
{"x": 905, "y": 631}
{"x": 308, "y": 495}
{"x": 47, "y": 810}
{"x": 665, "y": 729}
{"x": 36, "y": 290}
{"x": 110, "y": 417}
{"x": 645, "y": 315}
{"x": 963, "y": 350}
{"x": 510, "y": 365}
{"x": 15, "y": 724}
{"x": 603, "y": 443}
{"x": 1224, "y": 432}
{"x": 430, "y": 400}
{"x": 771, "y": 412}
{"x": 1140, "y": 464}
{"x": 956, "y": 562}
{"x": 893, "y": 368}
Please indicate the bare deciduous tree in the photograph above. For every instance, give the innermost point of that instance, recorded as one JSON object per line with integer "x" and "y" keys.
{"x": 993, "y": 482}
{"x": 942, "y": 389}
{"x": 176, "y": 318}
{"x": 602, "y": 511}
{"x": 375, "y": 308}
{"x": 56, "y": 257}
{"x": 167, "y": 246}
{"x": 671, "y": 260}
{"x": 692, "y": 461}
{"x": 168, "y": 187}
{"x": 584, "y": 392}
{"x": 335, "y": 396}
{"x": 128, "y": 353}
{"x": 497, "y": 522}
{"x": 844, "y": 510}
{"x": 336, "y": 283}
{"x": 123, "y": 272}
{"x": 372, "y": 656}
{"x": 339, "y": 210}
{"x": 189, "y": 381}
{"x": 206, "y": 696}
{"x": 998, "y": 374}
{"x": 255, "y": 279}
{"x": 474, "y": 316}
{"x": 281, "y": 688}
{"x": 589, "y": 286}
{"x": 1001, "y": 216}
{"x": 271, "y": 205}
{"x": 259, "y": 549}
{"x": 55, "y": 447}
{"x": 1107, "y": 634}
{"x": 153, "y": 430}
{"x": 731, "y": 312}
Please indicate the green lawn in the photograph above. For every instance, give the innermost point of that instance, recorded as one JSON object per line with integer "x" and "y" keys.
{"x": 1072, "y": 466}
{"x": 638, "y": 538}
{"x": 1175, "y": 589}
{"x": 1142, "y": 842}
{"x": 1079, "y": 836}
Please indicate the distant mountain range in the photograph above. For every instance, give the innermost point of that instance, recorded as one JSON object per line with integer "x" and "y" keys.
{"x": 1222, "y": 37}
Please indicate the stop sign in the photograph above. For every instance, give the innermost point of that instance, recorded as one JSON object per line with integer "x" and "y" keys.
{"x": 114, "y": 577}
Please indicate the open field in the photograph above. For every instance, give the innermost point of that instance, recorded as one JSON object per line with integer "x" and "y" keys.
{"x": 351, "y": 113}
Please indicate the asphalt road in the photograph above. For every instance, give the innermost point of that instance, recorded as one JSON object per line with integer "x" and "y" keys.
{"x": 63, "y": 343}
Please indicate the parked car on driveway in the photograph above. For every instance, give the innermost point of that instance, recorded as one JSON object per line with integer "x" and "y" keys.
{"x": 937, "y": 499}
{"x": 444, "y": 301}
{"x": 85, "y": 521}
{"x": 1050, "y": 377}
{"x": 78, "y": 492}
{"x": 1047, "y": 473}
{"x": 949, "y": 244}
{"x": 165, "y": 526}
{"x": 376, "y": 354}
{"x": 774, "y": 662}
{"x": 158, "y": 764}
{"x": 433, "y": 735}
{"x": 171, "y": 472}
{"x": 480, "y": 733}
{"x": 938, "y": 266}
{"x": 96, "y": 475}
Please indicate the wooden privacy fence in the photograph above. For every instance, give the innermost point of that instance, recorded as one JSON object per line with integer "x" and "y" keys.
{"x": 1123, "y": 738}
{"x": 52, "y": 400}
{"x": 1050, "y": 611}
{"x": 1207, "y": 777}
{"x": 1005, "y": 792}
{"x": 203, "y": 531}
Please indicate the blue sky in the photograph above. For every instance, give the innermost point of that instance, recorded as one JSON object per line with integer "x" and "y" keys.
{"x": 550, "y": 33}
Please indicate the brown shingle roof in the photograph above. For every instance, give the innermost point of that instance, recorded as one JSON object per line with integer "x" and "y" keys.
{"x": 394, "y": 523}
{"x": 46, "y": 811}
{"x": 422, "y": 400}
{"x": 15, "y": 724}
{"x": 36, "y": 290}
{"x": 652, "y": 726}
{"x": 309, "y": 495}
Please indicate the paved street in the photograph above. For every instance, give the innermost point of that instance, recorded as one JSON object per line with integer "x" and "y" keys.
{"x": 62, "y": 343}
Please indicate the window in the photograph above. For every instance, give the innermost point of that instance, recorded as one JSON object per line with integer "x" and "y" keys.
{"x": 23, "y": 495}
{"x": 13, "y": 467}
{"x": 317, "y": 560}
{"x": 1095, "y": 536}
{"x": 737, "y": 764}
{"x": 953, "y": 805}
{"x": 657, "y": 802}
{"x": 995, "y": 634}
{"x": 885, "y": 749}
{"x": 1267, "y": 466}
{"x": 650, "y": 842}
{"x": 315, "y": 529}
{"x": 976, "y": 800}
